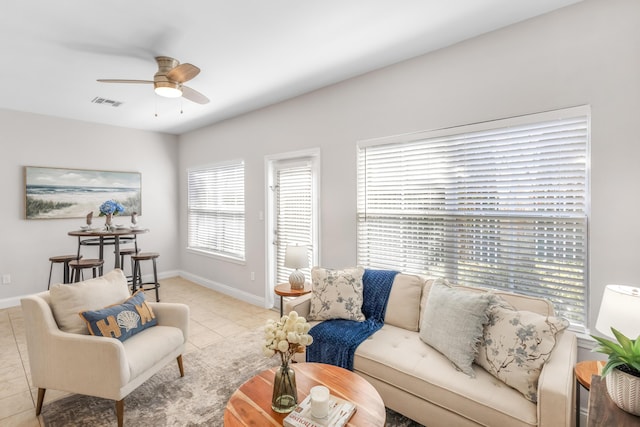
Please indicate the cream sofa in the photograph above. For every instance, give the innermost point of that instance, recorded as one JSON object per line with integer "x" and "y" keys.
{"x": 421, "y": 383}
{"x": 63, "y": 356}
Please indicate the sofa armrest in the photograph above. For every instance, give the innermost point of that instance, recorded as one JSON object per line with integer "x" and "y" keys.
{"x": 53, "y": 354}
{"x": 557, "y": 386}
{"x": 301, "y": 305}
{"x": 172, "y": 314}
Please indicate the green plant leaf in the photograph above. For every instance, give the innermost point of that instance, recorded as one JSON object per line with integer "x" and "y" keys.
{"x": 611, "y": 365}
{"x": 625, "y": 352}
{"x": 625, "y": 342}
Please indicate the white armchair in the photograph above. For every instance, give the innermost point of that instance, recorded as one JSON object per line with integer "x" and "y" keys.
{"x": 99, "y": 366}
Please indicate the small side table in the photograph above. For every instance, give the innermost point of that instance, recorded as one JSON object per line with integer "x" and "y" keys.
{"x": 284, "y": 290}
{"x": 584, "y": 371}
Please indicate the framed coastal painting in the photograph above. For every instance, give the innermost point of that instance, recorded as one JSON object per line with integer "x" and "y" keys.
{"x": 73, "y": 193}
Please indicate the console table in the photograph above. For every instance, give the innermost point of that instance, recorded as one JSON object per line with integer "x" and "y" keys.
{"x": 603, "y": 412}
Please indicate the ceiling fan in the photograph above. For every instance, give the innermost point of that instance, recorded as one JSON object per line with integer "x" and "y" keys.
{"x": 169, "y": 79}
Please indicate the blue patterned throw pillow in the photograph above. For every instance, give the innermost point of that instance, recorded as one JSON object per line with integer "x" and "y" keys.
{"x": 121, "y": 321}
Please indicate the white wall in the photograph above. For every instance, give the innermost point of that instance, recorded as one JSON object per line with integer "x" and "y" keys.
{"x": 583, "y": 54}
{"x": 35, "y": 140}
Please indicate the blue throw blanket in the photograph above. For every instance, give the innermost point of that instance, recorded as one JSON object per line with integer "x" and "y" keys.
{"x": 335, "y": 341}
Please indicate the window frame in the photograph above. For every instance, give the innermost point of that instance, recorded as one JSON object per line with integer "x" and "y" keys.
{"x": 231, "y": 252}
{"x": 402, "y": 141}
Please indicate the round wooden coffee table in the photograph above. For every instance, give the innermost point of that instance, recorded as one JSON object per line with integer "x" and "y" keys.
{"x": 250, "y": 405}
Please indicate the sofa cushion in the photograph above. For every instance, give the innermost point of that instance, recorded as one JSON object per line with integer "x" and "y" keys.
{"x": 399, "y": 360}
{"x": 403, "y": 307}
{"x": 93, "y": 294}
{"x": 453, "y": 323}
{"x": 516, "y": 344}
{"x": 121, "y": 321}
{"x": 148, "y": 348}
{"x": 336, "y": 294}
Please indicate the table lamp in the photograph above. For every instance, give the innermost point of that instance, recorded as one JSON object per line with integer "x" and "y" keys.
{"x": 620, "y": 308}
{"x": 296, "y": 257}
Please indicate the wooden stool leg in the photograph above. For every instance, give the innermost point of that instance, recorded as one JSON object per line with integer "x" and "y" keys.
{"x": 65, "y": 273}
{"x": 50, "y": 270}
{"x": 155, "y": 280}
{"x": 136, "y": 274}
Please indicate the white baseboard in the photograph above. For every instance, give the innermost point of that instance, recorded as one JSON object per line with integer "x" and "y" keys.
{"x": 10, "y": 302}
{"x": 225, "y": 289}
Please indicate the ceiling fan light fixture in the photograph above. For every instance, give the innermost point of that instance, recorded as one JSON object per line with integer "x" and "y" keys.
{"x": 168, "y": 89}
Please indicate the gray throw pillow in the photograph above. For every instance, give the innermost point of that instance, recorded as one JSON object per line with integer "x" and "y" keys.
{"x": 453, "y": 323}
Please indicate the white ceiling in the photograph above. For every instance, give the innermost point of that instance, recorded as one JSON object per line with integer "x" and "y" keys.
{"x": 252, "y": 52}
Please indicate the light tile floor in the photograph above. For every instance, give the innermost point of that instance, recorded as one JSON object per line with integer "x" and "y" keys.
{"x": 214, "y": 316}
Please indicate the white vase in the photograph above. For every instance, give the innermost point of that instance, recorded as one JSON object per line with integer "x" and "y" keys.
{"x": 624, "y": 390}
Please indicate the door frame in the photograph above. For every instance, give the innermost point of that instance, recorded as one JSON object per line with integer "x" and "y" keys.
{"x": 313, "y": 155}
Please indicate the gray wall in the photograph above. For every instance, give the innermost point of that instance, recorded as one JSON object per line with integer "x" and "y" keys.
{"x": 582, "y": 54}
{"x": 35, "y": 140}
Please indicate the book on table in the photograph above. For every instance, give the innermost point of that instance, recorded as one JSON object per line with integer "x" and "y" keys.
{"x": 340, "y": 411}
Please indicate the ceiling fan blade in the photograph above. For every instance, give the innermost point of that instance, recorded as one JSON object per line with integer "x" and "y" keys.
{"x": 194, "y": 96}
{"x": 183, "y": 73}
{"x": 123, "y": 81}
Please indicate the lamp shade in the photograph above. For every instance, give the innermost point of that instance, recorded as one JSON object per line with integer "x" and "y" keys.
{"x": 296, "y": 256}
{"x": 620, "y": 309}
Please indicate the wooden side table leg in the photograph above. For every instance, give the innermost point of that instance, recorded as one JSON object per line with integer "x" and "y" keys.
{"x": 281, "y": 305}
{"x": 578, "y": 386}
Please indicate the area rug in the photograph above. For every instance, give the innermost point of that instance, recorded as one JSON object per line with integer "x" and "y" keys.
{"x": 166, "y": 399}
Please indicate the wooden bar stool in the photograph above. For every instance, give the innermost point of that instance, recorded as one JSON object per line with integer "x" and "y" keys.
{"x": 64, "y": 260}
{"x": 79, "y": 265}
{"x": 128, "y": 252}
{"x": 137, "y": 273}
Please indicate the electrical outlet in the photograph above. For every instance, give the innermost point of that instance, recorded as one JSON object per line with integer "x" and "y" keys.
{"x": 6, "y": 279}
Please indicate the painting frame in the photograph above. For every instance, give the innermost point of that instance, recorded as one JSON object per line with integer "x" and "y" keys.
{"x": 63, "y": 193}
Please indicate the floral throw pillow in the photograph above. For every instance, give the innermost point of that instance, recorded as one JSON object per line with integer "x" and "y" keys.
{"x": 336, "y": 294}
{"x": 516, "y": 344}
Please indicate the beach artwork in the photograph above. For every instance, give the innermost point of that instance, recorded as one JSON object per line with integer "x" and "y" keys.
{"x": 73, "y": 193}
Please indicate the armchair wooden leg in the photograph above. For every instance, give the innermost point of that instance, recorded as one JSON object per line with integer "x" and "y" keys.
{"x": 180, "y": 366}
{"x": 120, "y": 412}
{"x": 41, "y": 392}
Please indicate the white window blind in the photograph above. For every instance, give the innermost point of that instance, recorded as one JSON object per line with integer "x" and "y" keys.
{"x": 500, "y": 205}
{"x": 216, "y": 210}
{"x": 294, "y": 213}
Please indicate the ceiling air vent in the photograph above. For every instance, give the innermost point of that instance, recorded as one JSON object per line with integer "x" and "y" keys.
{"x": 105, "y": 101}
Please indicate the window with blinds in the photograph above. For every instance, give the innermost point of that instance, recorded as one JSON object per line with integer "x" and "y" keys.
{"x": 500, "y": 204}
{"x": 294, "y": 212}
{"x": 216, "y": 210}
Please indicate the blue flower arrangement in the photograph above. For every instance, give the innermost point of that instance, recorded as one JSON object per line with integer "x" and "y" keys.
{"x": 111, "y": 207}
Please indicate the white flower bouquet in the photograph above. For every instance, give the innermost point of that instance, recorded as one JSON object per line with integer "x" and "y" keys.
{"x": 287, "y": 336}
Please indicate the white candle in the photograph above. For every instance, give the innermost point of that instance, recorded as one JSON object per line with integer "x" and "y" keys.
{"x": 319, "y": 401}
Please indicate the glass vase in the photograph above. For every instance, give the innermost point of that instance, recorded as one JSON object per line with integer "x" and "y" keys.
{"x": 285, "y": 394}
{"x": 107, "y": 222}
